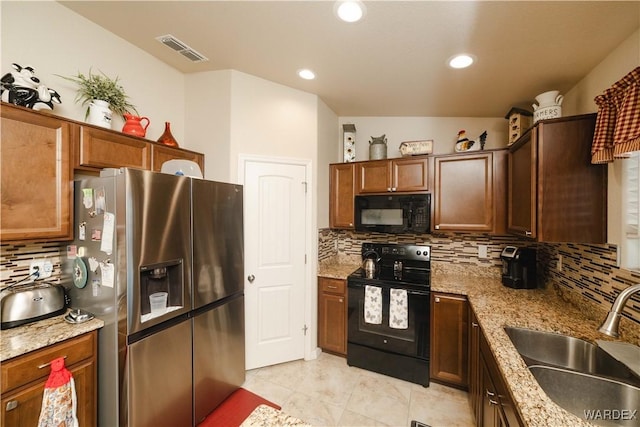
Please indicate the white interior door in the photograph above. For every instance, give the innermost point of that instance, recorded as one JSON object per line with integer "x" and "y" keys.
{"x": 274, "y": 242}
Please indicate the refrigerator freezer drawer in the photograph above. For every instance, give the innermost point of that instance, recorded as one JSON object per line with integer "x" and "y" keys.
{"x": 219, "y": 363}
{"x": 159, "y": 379}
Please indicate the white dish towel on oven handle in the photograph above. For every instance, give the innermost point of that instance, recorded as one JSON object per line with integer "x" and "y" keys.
{"x": 372, "y": 305}
{"x": 398, "y": 309}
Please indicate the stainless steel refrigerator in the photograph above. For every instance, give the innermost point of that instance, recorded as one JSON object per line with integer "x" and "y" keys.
{"x": 140, "y": 233}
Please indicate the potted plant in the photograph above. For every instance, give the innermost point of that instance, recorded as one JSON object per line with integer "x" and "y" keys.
{"x": 102, "y": 95}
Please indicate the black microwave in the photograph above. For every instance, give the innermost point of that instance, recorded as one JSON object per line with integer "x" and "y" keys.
{"x": 408, "y": 213}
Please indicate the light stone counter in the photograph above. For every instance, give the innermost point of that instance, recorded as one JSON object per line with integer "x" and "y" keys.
{"x": 497, "y": 306}
{"x": 339, "y": 267}
{"x": 33, "y": 336}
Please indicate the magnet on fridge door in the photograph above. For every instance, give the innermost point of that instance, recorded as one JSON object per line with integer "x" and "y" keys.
{"x": 79, "y": 273}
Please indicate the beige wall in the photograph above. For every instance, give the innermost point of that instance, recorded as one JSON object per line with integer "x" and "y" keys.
{"x": 208, "y": 120}
{"x": 579, "y": 100}
{"x": 54, "y": 40}
{"x": 442, "y": 130}
{"x": 329, "y": 147}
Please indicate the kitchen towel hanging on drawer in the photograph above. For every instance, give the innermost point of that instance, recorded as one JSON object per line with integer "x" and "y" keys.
{"x": 59, "y": 403}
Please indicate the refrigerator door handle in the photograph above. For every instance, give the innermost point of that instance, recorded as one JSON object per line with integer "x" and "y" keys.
{"x": 251, "y": 278}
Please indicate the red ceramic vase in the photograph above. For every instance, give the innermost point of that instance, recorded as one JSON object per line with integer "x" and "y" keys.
{"x": 166, "y": 138}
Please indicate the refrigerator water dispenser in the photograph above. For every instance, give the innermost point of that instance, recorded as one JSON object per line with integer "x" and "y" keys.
{"x": 165, "y": 278}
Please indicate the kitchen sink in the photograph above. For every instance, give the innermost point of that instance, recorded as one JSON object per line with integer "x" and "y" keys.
{"x": 596, "y": 399}
{"x": 563, "y": 351}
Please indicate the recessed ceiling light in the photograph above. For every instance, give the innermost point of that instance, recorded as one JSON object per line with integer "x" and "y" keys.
{"x": 349, "y": 10}
{"x": 461, "y": 61}
{"x": 306, "y": 74}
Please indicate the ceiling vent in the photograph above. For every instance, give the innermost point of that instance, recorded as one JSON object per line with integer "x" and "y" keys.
{"x": 181, "y": 48}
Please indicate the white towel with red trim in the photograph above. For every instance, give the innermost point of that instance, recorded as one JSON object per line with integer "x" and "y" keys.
{"x": 59, "y": 403}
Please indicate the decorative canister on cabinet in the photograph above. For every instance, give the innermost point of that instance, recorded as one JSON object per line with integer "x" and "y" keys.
{"x": 378, "y": 148}
{"x": 548, "y": 106}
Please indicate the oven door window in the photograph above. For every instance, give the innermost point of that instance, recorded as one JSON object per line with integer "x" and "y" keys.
{"x": 412, "y": 341}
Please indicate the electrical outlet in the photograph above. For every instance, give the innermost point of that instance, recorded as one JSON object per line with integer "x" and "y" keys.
{"x": 35, "y": 270}
{"x": 482, "y": 252}
{"x": 559, "y": 263}
{"x": 46, "y": 270}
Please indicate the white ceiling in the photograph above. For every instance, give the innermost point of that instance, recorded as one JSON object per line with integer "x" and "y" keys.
{"x": 392, "y": 63}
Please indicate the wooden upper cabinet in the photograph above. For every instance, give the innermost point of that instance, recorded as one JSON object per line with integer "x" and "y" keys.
{"x": 394, "y": 175}
{"x": 373, "y": 177}
{"x": 341, "y": 194}
{"x": 37, "y": 194}
{"x": 555, "y": 193}
{"x": 470, "y": 192}
{"x": 101, "y": 148}
{"x": 522, "y": 186}
{"x": 162, "y": 153}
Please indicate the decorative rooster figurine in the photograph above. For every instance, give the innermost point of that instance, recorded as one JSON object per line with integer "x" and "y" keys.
{"x": 464, "y": 144}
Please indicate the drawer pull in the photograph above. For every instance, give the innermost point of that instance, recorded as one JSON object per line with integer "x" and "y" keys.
{"x": 44, "y": 365}
{"x": 332, "y": 287}
{"x": 12, "y": 404}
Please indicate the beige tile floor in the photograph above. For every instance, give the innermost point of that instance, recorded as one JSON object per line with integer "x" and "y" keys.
{"x": 328, "y": 392}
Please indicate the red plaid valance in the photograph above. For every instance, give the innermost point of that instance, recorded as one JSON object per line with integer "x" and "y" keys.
{"x": 618, "y": 124}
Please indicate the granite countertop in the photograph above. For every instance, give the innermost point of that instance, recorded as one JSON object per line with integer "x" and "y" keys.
{"x": 339, "y": 267}
{"x": 497, "y": 306}
{"x": 33, "y": 336}
{"x": 266, "y": 416}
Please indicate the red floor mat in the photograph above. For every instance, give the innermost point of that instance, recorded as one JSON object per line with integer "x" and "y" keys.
{"x": 235, "y": 409}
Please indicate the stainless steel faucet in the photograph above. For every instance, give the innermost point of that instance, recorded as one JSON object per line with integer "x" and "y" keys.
{"x": 612, "y": 322}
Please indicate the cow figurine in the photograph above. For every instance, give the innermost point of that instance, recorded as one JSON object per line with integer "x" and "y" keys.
{"x": 22, "y": 87}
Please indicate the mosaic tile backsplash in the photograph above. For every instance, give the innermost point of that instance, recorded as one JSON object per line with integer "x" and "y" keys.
{"x": 589, "y": 275}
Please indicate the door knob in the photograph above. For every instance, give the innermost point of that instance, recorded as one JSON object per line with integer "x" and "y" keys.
{"x": 251, "y": 278}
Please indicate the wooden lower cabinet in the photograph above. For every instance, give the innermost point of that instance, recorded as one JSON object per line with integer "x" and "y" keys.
{"x": 24, "y": 378}
{"x": 332, "y": 315}
{"x": 490, "y": 399}
{"x": 449, "y": 339}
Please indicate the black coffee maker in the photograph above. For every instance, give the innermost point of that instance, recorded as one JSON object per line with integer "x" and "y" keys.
{"x": 519, "y": 267}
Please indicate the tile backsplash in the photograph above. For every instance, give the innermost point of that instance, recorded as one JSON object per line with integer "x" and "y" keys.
{"x": 589, "y": 275}
{"x": 16, "y": 258}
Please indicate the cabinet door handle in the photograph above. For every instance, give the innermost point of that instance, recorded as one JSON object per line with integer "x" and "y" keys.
{"x": 350, "y": 224}
{"x": 44, "y": 365}
{"x": 437, "y": 227}
{"x": 474, "y": 324}
{"x": 394, "y": 189}
{"x": 492, "y": 402}
{"x": 489, "y": 393}
{"x": 11, "y": 405}
{"x": 528, "y": 233}
{"x": 341, "y": 300}
{"x": 437, "y": 299}
{"x": 389, "y": 189}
